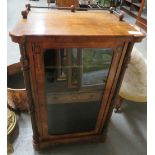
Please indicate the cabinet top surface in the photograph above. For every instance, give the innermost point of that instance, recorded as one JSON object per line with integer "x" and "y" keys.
{"x": 79, "y": 23}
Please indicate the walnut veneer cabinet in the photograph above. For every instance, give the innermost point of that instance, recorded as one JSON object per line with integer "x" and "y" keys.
{"x": 73, "y": 64}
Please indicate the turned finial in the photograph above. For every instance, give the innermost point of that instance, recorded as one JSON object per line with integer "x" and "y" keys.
{"x": 24, "y": 14}
{"x": 119, "y": 14}
{"x": 111, "y": 9}
{"x": 28, "y": 6}
{"x": 72, "y": 8}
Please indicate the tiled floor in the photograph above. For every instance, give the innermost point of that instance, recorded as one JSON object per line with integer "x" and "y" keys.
{"x": 127, "y": 131}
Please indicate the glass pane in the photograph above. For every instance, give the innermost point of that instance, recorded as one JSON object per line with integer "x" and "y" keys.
{"x": 144, "y": 12}
{"x": 96, "y": 64}
{"x": 70, "y": 108}
{"x": 105, "y": 3}
{"x": 94, "y": 3}
{"x": 55, "y": 70}
{"x": 72, "y": 117}
{"x": 73, "y": 67}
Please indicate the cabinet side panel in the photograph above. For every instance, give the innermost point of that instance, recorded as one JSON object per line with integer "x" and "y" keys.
{"x": 25, "y": 63}
{"x": 111, "y": 83}
{"x": 125, "y": 58}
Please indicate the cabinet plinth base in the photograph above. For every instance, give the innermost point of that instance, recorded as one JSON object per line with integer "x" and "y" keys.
{"x": 46, "y": 144}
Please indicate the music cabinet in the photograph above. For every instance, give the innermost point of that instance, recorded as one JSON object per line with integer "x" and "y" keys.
{"x": 73, "y": 65}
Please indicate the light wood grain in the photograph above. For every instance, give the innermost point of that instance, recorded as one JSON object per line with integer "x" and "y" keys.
{"x": 66, "y": 23}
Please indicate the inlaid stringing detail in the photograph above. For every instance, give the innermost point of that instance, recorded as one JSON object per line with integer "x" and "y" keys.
{"x": 119, "y": 48}
{"x": 36, "y": 48}
{"x": 24, "y": 60}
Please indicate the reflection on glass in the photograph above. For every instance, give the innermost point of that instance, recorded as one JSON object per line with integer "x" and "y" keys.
{"x": 105, "y": 3}
{"x": 94, "y": 3}
{"x": 73, "y": 68}
{"x": 96, "y": 64}
{"x": 55, "y": 70}
{"x": 144, "y": 12}
{"x": 70, "y": 107}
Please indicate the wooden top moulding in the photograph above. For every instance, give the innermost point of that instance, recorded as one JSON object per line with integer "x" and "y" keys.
{"x": 67, "y": 23}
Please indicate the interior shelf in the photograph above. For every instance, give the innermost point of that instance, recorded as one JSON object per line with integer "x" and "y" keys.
{"x": 135, "y": 13}
{"x": 129, "y": 1}
{"x": 137, "y": 4}
{"x": 126, "y": 7}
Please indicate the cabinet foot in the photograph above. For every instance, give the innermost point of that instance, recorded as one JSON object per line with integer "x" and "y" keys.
{"x": 118, "y": 104}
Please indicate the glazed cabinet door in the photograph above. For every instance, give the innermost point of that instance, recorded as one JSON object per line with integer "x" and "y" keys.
{"x": 73, "y": 87}
{"x": 74, "y": 81}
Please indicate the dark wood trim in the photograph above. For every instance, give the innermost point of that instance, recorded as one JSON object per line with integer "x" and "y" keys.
{"x": 141, "y": 22}
{"x": 50, "y": 143}
{"x": 76, "y": 97}
{"x": 25, "y": 66}
{"x": 111, "y": 84}
{"x": 81, "y": 42}
{"x": 118, "y": 85}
